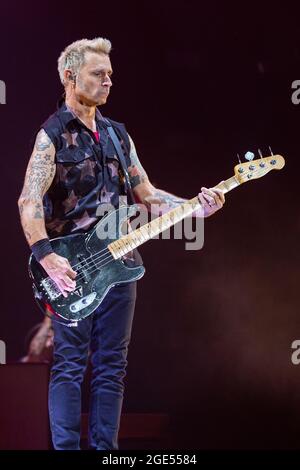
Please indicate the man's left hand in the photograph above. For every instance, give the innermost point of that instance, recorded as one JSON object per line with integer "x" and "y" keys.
{"x": 212, "y": 200}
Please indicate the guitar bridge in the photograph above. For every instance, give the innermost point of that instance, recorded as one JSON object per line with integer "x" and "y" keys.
{"x": 50, "y": 288}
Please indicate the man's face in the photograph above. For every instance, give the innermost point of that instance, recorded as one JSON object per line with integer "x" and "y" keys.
{"x": 93, "y": 81}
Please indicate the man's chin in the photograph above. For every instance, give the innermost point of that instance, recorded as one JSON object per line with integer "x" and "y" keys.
{"x": 102, "y": 100}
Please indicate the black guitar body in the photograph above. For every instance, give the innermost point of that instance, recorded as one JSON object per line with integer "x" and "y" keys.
{"x": 97, "y": 270}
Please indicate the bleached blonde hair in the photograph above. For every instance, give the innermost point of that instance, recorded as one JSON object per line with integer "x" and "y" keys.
{"x": 73, "y": 56}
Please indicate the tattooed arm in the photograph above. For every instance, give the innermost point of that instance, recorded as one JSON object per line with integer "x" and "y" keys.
{"x": 158, "y": 201}
{"x": 39, "y": 176}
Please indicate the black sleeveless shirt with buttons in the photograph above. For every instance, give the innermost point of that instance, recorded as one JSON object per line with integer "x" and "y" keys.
{"x": 88, "y": 172}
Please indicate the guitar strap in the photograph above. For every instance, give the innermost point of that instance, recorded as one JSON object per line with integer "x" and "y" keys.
{"x": 120, "y": 153}
{"x": 128, "y": 187}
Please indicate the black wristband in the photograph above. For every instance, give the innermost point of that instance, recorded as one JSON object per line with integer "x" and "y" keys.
{"x": 41, "y": 249}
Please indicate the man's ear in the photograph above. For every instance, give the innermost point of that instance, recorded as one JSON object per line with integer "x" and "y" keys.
{"x": 69, "y": 76}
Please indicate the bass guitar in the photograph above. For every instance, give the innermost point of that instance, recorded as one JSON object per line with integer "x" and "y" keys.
{"x": 99, "y": 260}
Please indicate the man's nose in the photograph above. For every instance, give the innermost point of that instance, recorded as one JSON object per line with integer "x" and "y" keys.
{"x": 107, "y": 81}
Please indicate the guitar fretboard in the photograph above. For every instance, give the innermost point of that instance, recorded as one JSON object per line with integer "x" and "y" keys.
{"x": 150, "y": 230}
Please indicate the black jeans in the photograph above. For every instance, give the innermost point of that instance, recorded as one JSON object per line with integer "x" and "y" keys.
{"x": 106, "y": 334}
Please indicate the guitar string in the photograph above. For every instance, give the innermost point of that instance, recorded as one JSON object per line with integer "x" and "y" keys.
{"x": 101, "y": 265}
{"x": 96, "y": 265}
{"x": 96, "y": 256}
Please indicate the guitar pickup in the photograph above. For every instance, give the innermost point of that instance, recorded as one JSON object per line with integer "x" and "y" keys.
{"x": 85, "y": 266}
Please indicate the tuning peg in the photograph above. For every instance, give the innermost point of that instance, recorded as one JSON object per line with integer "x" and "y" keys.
{"x": 270, "y": 150}
{"x": 249, "y": 156}
{"x": 241, "y": 169}
{"x": 262, "y": 164}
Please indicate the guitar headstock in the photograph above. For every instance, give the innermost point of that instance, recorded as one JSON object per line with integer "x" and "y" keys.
{"x": 257, "y": 168}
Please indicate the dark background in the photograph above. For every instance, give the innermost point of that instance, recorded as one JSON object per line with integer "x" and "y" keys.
{"x": 196, "y": 83}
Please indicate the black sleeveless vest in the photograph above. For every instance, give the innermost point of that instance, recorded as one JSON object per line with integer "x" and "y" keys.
{"x": 88, "y": 173}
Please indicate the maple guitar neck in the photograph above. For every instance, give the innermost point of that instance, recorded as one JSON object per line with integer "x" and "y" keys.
{"x": 150, "y": 230}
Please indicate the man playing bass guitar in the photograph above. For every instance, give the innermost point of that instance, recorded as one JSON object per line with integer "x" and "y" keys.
{"x": 73, "y": 169}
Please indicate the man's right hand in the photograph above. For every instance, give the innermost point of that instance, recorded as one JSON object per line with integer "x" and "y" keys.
{"x": 59, "y": 269}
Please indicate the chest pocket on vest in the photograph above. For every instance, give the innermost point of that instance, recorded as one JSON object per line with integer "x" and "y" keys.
{"x": 77, "y": 170}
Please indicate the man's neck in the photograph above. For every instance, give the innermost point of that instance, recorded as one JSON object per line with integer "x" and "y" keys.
{"x": 84, "y": 112}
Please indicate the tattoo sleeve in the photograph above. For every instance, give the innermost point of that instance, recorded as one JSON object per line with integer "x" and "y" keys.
{"x": 39, "y": 176}
{"x": 136, "y": 172}
{"x": 159, "y": 202}
{"x": 167, "y": 198}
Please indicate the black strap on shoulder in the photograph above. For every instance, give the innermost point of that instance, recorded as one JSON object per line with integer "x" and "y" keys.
{"x": 120, "y": 153}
